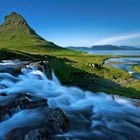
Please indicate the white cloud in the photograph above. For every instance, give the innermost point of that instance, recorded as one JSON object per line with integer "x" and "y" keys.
{"x": 116, "y": 39}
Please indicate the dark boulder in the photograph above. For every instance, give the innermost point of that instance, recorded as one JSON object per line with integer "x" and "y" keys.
{"x": 53, "y": 121}
{"x": 7, "y": 111}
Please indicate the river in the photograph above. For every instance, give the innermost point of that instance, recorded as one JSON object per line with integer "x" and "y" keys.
{"x": 126, "y": 64}
{"x": 90, "y": 115}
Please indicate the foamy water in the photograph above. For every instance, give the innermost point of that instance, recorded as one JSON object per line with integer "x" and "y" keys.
{"x": 91, "y": 115}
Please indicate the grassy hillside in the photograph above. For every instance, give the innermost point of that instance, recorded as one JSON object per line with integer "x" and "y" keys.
{"x": 19, "y": 41}
{"x": 16, "y": 34}
{"x": 137, "y": 68}
{"x": 75, "y": 69}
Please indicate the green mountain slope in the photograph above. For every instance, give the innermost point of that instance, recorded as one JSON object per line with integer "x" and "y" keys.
{"x": 15, "y": 33}
{"x": 72, "y": 67}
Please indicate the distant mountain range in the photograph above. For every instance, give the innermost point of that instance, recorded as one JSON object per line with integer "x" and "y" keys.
{"x": 104, "y": 47}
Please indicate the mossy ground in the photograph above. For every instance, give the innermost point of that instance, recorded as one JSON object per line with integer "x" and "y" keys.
{"x": 74, "y": 68}
{"x": 137, "y": 68}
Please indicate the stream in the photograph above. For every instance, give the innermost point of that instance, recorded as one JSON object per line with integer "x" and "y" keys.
{"x": 125, "y": 64}
{"x": 90, "y": 115}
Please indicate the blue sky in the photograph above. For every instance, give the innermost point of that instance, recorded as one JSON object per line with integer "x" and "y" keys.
{"x": 80, "y": 22}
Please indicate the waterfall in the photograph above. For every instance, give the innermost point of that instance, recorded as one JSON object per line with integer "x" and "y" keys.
{"x": 91, "y": 115}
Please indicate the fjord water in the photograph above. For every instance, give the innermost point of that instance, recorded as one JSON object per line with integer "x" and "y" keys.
{"x": 91, "y": 115}
{"x": 120, "y": 63}
{"x": 126, "y": 64}
{"x": 114, "y": 52}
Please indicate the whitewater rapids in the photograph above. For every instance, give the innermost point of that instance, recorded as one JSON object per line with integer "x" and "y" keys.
{"x": 91, "y": 115}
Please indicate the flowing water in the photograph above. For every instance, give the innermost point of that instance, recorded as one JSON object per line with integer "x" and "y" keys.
{"x": 125, "y": 64}
{"x": 91, "y": 116}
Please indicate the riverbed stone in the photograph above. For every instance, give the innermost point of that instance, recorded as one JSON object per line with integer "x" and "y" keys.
{"x": 54, "y": 118}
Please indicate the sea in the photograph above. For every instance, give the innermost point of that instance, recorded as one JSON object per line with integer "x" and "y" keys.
{"x": 114, "y": 52}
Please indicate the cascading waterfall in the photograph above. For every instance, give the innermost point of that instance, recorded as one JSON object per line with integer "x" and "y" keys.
{"x": 91, "y": 115}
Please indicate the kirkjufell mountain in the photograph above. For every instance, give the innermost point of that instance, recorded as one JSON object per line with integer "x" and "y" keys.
{"x": 16, "y": 33}
{"x": 16, "y": 23}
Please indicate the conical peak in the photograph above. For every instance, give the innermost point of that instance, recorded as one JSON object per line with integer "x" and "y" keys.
{"x": 14, "y": 14}
{"x": 14, "y": 22}
{"x": 15, "y": 32}
{"x": 14, "y": 18}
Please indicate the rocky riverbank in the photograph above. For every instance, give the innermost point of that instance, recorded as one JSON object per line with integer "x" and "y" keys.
{"x": 44, "y": 120}
{"x": 38, "y": 107}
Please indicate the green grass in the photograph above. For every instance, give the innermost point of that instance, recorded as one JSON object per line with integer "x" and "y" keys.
{"x": 71, "y": 67}
{"x": 74, "y": 68}
{"x": 76, "y": 71}
{"x": 31, "y": 44}
{"x": 137, "y": 68}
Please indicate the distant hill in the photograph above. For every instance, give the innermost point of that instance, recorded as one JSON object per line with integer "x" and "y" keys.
{"x": 104, "y": 47}
{"x": 15, "y": 33}
{"x": 130, "y": 48}
{"x": 113, "y": 47}
{"x": 77, "y": 48}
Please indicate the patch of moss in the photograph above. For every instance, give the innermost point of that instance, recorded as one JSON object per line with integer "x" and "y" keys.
{"x": 137, "y": 68}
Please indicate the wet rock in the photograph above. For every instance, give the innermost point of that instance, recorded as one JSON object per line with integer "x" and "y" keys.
{"x": 20, "y": 104}
{"x": 50, "y": 120}
{"x": 45, "y": 67}
{"x": 137, "y": 103}
{"x": 54, "y": 122}
{"x": 37, "y": 134}
{"x": 13, "y": 67}
{"x": 54, "y": 119}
